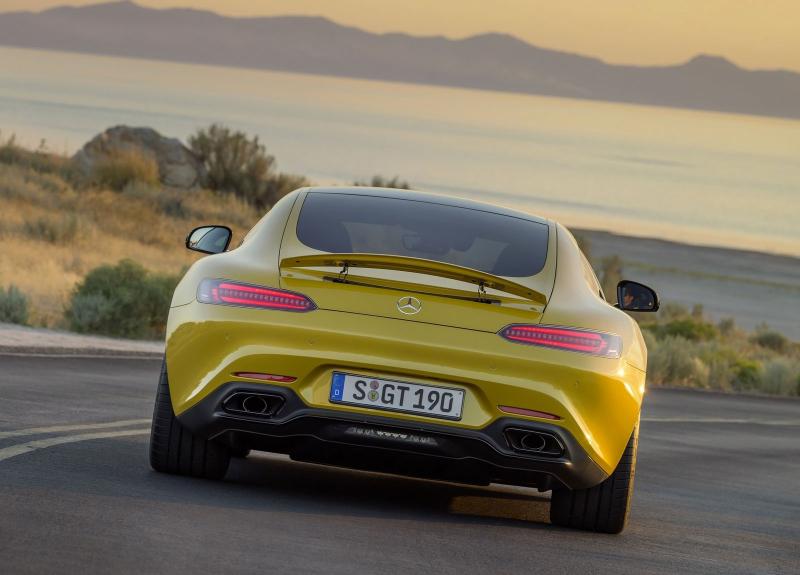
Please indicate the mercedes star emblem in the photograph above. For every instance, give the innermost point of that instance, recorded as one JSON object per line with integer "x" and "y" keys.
{"x": 409, "y": 305}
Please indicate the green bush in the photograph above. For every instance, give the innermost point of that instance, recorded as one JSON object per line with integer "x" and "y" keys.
{"x": 125, "y": 167}
{"x": 719, "y": 359}
{"x": 673, "y": 362}
{"x": 771, "y": 340}
{"x": 13, "y": 306}
{"x": 746, "y": 374}
{"x": 240, "y": 165}
{"x": 122, "y": 300}
{"x": 781, "y": 377}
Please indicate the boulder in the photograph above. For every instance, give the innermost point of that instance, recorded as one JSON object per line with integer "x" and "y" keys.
{"x": 177, "y": 165}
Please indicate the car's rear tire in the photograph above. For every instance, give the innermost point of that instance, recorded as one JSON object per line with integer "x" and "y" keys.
{"x": 604, "y": 507}
{"x": 174, "y": 449}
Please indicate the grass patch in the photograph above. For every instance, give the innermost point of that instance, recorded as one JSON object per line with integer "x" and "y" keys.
{"x": 53, "y": 229}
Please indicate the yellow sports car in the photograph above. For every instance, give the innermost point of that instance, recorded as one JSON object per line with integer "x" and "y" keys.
{"x": 408, "y": 333}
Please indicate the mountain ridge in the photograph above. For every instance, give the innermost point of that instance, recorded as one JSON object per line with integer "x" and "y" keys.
{"x": 318, "y": 45}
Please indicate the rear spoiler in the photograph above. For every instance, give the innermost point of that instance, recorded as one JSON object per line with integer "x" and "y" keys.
{"x": 417, "y": 265}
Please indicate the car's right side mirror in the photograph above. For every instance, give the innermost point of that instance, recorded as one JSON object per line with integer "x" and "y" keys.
{"x": 633, "y": 296}
{"x": 209, "y": 239}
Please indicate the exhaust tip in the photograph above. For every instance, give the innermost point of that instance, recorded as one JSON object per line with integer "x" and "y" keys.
{"x": 534, "y": 442}
{"x": 256, "y": 404}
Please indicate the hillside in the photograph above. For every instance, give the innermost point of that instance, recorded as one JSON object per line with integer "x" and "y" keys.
{"x": 55, "y": 231}
{"x": 319, "y": 46}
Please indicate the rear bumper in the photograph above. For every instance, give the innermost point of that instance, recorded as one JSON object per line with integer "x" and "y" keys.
{"x": 318, "y": 435}
{"x": 597, "y": 399}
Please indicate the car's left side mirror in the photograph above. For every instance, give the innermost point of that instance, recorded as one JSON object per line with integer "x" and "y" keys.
{"x": 209, "y": 239}
{"x": 633, "y": 296}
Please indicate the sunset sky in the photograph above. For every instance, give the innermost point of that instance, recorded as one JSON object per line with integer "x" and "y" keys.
{"x": 752, "y": 33}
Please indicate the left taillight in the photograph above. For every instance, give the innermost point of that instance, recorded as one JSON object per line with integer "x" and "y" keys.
{"x": 226, "y": 292}
{"x": 565, "y": 338}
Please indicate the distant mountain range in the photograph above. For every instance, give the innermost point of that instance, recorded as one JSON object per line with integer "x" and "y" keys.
{"x": 319, "y": 46}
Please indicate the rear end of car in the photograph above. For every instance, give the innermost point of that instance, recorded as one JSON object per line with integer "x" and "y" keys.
{"x": 399, "y": 332}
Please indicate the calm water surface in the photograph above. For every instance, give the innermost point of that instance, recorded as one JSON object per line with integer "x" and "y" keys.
{"x": 689, "y": 176}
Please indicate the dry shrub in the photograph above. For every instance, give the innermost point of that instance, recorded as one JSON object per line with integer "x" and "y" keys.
{"x": 58, "y": 229}
{"x": 124, "y": 167}
{"x": 240, "y": 165}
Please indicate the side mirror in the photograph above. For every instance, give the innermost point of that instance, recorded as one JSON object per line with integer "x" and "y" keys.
{"x": 209, "y": 239}
{"x": 633, "y": 296}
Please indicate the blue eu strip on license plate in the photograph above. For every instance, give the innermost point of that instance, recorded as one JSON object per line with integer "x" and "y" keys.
{"x": 337, "y": 386}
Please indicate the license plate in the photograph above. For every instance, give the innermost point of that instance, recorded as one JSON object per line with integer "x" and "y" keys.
{"x": 402, "y": 396}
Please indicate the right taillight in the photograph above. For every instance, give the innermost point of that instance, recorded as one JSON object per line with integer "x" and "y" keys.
{"x": 226, "y": 292}
{"x": 565, "y": 338}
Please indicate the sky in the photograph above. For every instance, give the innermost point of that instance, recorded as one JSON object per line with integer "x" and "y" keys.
{"x": 752, "y": 33}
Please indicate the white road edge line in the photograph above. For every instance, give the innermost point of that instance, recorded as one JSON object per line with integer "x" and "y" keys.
{"x": 785, "y": 422}
{"x": 14, "y": 450}
{"x": 77, "y": 427}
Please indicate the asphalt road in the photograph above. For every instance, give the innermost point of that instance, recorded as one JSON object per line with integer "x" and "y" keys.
{"x": 717, "y": 491}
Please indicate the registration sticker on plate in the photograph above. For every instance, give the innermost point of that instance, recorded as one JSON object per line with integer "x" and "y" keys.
{"x": 402, "y": 396}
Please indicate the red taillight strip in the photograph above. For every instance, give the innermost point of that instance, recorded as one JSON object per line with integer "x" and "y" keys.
{"x": 528, "y": 412}
{"x": 578, "y": 341}
{"x": 227, "y": 292}
{"x": 569, "y": 339}
{"x": 259, "y": 290}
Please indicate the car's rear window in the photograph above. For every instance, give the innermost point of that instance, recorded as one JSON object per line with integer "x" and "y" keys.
{"x": 353, "y": 223}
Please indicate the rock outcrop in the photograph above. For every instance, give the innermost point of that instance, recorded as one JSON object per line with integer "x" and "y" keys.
{"x": 177, "y": 165}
